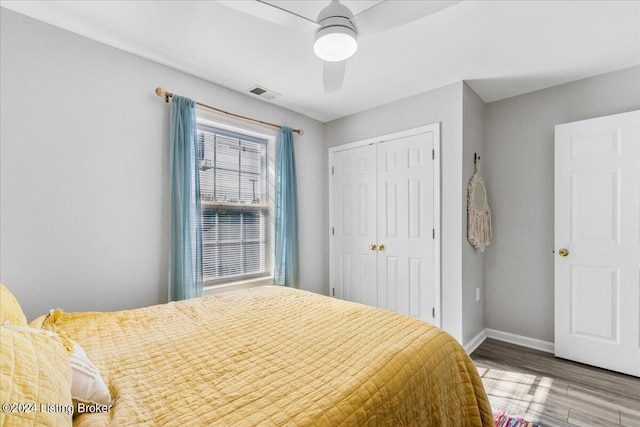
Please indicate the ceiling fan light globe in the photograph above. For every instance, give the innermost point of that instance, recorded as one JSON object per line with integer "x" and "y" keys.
{"x": 335, "y": 43}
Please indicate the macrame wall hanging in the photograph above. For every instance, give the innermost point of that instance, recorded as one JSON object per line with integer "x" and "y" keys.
{"x": 478, "y": 212}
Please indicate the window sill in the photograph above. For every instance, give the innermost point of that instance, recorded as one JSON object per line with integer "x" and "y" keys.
{"x": 240, "y": 284}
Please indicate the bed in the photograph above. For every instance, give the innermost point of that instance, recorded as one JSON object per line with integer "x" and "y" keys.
{"x": 274, "y": 356}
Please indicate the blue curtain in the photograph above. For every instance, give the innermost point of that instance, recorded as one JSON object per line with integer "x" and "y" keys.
{"x": 185, "y": 263}
{"x": 286, "y": 257}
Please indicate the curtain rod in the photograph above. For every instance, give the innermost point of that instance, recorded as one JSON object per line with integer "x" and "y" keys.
{"x": 162, "y": 92}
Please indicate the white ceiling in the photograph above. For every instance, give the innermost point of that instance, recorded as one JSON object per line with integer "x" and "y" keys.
{"x": 501, "y": 48}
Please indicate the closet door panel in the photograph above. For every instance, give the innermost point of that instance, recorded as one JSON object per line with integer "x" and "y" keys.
{"x": 405, "y": 223}
{"x": 354, "y": 212}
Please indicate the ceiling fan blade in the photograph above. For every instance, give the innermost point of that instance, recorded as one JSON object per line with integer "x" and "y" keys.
{"x": 272, "y": 13}
{"x": 393, "y": 13}
{"x": 333, "y": 75}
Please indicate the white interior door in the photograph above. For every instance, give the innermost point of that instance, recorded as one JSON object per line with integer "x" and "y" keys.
{"x": 406, "y": 226}
{"x": 597, "y": 242}
{"x": 354, "y": 225}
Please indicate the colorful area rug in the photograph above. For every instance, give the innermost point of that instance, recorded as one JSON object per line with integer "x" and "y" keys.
{"x": 503, "y": 419}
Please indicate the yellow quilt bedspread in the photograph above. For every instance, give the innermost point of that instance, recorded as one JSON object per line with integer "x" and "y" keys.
{"x": 275, "y": 356}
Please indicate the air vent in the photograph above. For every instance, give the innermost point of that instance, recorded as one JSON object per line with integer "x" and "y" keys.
{"x": 263, "y": 93}
{"x": 258, "y": 90}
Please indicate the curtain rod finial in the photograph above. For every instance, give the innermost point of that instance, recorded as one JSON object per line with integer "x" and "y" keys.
{"x": 160, "y": 91}
{"x": 300, "y": 131}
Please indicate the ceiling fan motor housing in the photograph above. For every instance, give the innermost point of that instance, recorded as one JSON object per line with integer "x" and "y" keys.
{"x": 336, "y": 38}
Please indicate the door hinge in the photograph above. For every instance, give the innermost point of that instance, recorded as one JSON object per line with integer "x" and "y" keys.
{"x": 433, "y": 312}
{"x": 333, "y": 292}
{"x": 433, "y": 234}
{"x": 433, "y": 154}
{"x": 333, "y": 231}
{"x": 332, "y": 172}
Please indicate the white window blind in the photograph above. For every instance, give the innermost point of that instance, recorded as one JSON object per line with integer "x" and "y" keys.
{"x": 233, "y": 193}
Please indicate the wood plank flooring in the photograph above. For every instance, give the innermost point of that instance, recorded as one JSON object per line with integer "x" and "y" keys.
{"x": 549, "y": 391}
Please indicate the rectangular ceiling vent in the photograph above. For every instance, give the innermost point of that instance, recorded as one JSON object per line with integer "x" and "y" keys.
{"x": 263, "y": 93}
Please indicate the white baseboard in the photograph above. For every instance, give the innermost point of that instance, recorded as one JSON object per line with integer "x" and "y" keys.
{"x": 521, "y": 340}
{"x": 534, "y": 343}
{"x": 476, "y": 341}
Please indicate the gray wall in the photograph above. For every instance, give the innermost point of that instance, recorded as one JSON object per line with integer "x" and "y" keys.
{"x": 473, "y": 112}
{"x": 84, "y": 174}
{"x": 442, "y": 105}
{"x": 518, "y": 169}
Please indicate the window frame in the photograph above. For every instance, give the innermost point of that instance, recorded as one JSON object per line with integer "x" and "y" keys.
{"x": 210, "y": 119}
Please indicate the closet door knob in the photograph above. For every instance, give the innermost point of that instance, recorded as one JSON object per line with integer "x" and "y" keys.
{"x": 381, "y": 248}
{"x": 563, "y": 252}
{"x": 373, "y": 247}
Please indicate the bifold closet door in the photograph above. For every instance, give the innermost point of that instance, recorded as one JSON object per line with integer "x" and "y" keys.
{"x": 382, "y": 241}
{"x": 406, "y": 225}
{"x": 354, "y": 225}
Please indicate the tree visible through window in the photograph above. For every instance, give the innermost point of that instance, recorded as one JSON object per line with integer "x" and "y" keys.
{"x": 235, "y": 212}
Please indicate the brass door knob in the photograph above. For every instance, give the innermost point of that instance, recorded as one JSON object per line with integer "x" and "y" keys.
{"x": 563, "y": 252}
{"x": 381, "y": 248}
{"x": 373, "y": 247}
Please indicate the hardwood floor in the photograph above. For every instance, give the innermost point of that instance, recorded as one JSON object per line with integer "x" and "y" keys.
{"x": 555, "y": 392}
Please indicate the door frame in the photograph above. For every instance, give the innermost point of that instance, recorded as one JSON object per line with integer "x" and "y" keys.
{"x": 435, "y": 128}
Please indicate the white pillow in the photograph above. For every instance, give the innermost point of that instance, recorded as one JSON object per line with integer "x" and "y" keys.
{"x": 87, "y": 385}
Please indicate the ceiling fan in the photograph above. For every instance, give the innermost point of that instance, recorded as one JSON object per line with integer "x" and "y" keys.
{"x": 336, "y": 40}
{"x": 336, "y": 28}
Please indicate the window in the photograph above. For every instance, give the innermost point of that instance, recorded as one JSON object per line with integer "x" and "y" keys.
{"x": 234, "y": 194}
